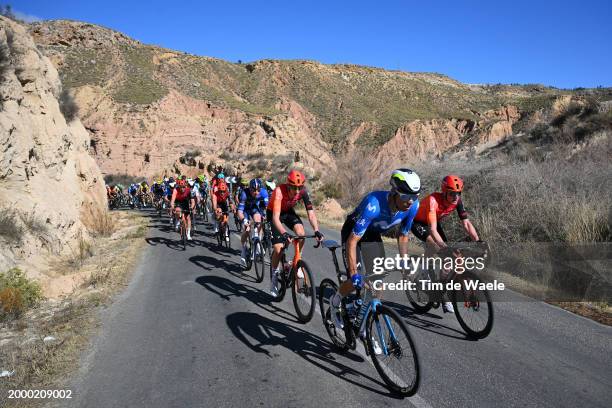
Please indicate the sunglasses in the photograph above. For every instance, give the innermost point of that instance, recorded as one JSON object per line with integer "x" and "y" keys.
{"x": 408, "y": 197}
{"x": 294, "y": 188}
{"x": 454, "y": 194}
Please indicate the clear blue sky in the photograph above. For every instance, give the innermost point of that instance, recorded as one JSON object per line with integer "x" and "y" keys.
{"x": 554, "y": 42}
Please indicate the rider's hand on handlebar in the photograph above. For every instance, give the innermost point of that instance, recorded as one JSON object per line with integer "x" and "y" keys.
{"x": 287, "y": 238}
{"x": 319, "y": 236}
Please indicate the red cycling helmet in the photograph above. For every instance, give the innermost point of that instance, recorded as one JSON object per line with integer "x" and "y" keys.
{"x": 452, "y": 183}
{"x": 181, "y": 183}
{"x": 296, "y": 178}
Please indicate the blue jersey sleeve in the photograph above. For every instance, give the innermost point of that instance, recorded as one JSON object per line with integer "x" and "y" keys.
{"x": 407, "y": 221}
{"x": 369, "y": 210}
{"x": 264, "y": 198}
{"x": 242, "y": 199}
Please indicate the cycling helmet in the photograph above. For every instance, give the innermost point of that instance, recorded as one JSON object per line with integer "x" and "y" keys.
{"x": 201, "y": 178}
{"x": 452, "y": 183}
{"x": 183, "y": 177}
{"x": 255, "y": 184}
{"x": 296, "y": 178}
{"x": 222, "y": 187}
{"x": 271, "y": 184}
{"x": 181, "y": 183}
{"x": 171, "y": 180}
{"x": 405, "y": 182}
{"x": 244, "y": 182}
{"x": 221, "y": 176}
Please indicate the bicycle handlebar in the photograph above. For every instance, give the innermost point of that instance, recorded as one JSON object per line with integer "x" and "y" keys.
{"x": 301, "y": 237}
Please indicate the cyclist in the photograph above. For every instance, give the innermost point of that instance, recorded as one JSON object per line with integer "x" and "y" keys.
{"x": 143, "y": 192}
{"x": 251, "y": 204}
{"x": 270, "y": 186}
{"x": 220, "y": 202}
{"x": 378, "y": 212}
{"x": 280, "y": 211}
{"x": 185, "y": 203}
{"x": 133, "y": 192}
{"x": 168, "y": 196}
{"x": 158, "y": 190}
{"x": 204, "y": 190}
{"x": 434, "y": 208}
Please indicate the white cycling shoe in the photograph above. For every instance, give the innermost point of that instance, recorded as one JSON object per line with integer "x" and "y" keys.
{"x": 274, "y": 284}
{"x": 447, "y": 307}
{"x": 377, "y": 350}
{"x": 334, "y": 309}
{"x": 189, "y": 236}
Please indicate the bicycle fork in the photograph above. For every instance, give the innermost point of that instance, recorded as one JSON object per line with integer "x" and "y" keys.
{"x": 371, "y": 308}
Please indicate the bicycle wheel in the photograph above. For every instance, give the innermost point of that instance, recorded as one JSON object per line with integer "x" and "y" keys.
{"x": 473, "y": 307}
{"x": 282, "y": 281}
{"x": 303, "y": 292}
{"x": 259, "y": 260}
{"x": 249, "y": 259}
{"x": 227, "y": 236}
{"x": 337, "y": 335}
{"x": 397, "y": 362}
{"x": 420, "y": 299}
{"x": 184, "y": 234}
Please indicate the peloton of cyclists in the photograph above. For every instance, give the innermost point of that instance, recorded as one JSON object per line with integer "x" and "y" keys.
{"x": 252, "y": 204}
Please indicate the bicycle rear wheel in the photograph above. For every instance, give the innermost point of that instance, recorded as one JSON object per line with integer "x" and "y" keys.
{"x": 473, "y": 307}
{"x": 184, "y": 234}
{"x": 397, "y": 363}
{"x": 337, "y": 335}
{"x": 259, "y": 261}
{"x": 303, "y": 292}
{"x": 248, "y": 259}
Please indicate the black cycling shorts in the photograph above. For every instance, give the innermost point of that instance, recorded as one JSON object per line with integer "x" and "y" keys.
{"x": 370, "y": 245}
{"x": 422, "y": 230}
{"x": 224, "y": 206}
{"x": 183, "y": 205}
{"x": 289, "y": 218}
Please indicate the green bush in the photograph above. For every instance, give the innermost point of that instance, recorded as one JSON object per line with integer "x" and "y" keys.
{"x": 332, "y": 190}
{"x": 17, "y": 293}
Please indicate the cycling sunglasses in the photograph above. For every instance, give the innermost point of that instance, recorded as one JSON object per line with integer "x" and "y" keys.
{"x": 294, "y": 188}
{"x": 408, "y": 197}
{"x": 454, "y": 194}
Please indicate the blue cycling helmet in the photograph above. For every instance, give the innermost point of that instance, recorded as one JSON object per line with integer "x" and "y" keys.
{"x": 221, "y": 176}
{"x": 171, "y": 180}
{"x": 255, "y": 184}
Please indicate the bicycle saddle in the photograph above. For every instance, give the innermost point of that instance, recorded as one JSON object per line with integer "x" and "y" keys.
{"x": 330, "y": 244}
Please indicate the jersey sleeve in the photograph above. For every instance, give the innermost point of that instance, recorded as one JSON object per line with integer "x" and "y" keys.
{"x": 306, "y": 199}
{"x": 407, "y": 221}
{"x": 264, "y": 198}
{"x": 432, "y": 207}
{"x": 461, "y": 212}
{"x": 370, "y": 209}
{"x": 242, "y": 199}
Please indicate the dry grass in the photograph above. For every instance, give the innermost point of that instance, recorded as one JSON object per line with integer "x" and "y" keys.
{"x": 39, "y": 364}
{"x": 99, "y": 223}
{"x": 10, "y": 230}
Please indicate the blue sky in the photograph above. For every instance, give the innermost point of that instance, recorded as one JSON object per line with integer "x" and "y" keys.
{"x": 560, "y": 43}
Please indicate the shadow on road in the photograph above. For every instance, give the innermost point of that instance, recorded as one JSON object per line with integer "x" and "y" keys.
{"x": 226, "y": 288}
{"x": 261, "y": 335}
{"x": 170, "y": 243}
{"x": 415, "y": 319}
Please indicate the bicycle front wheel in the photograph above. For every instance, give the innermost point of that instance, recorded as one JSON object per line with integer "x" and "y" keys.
{"x": 337, "y": 335}
{"x": 259, "y": 261}
{"x": 392, "y": 351}
{"x": 420, "y": 299}
{"x": 303, "y": 292}
{"x": 473, "y": 307}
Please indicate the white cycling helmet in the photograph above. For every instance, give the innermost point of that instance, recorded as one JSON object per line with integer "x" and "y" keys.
{"x": 405, "y": 182}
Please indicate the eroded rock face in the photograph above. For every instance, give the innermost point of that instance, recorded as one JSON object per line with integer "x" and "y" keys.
{"x": 47, "y": 178}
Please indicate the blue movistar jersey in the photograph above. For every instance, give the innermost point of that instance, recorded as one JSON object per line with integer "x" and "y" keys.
{"x": 373, "y": 213}
{"x": 248, "y": 202}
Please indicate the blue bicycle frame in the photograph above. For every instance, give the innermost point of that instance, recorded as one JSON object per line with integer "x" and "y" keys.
{"x": 371, "y": 307}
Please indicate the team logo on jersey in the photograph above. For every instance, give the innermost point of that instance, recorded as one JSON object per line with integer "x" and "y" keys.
{"x": 371, "y": 207}
{"x": 361, "y": 222}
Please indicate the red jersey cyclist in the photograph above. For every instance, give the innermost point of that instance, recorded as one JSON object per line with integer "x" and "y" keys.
{"x": 280, "y": 211}
{"x": 434, "y": 208}
{"x": 181, "y": 196}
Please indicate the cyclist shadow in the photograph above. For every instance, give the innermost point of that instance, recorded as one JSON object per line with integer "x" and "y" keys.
{"x": 225, "y": 289}
{"x": 215, "y": 248}
{"x": 260, "y": 333}
{"x": 415, "y": 319}
{"x": 170, "y": 243}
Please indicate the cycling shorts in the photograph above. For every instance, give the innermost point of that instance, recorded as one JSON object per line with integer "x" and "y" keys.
{"x": 422, "y": 230}
{"x": 370, "y": 246}
{"x": 289, "y": 218}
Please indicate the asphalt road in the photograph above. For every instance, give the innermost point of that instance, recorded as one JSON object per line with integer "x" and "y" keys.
{"x": 192, "y": 330}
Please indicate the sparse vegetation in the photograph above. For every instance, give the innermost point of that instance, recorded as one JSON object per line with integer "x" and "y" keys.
{"x": 139, "y": 86}
{"x": 10, "y": 230}
{"x": 114, "y": 179}
{"x": 17, "y": 293}
{"x": 68, "y": 106}
{"x": 32, "y": 223}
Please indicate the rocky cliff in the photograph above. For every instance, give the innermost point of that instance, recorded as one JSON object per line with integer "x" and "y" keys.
{"x": 48, "y": 181}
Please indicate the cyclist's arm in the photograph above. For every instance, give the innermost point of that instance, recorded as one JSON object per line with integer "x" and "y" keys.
{"x": 173, "y": 198}
{"x": 469, "y": 228}
{"x": 214, "y": 201}
{"x": 312, "y": 217}
{"x": 241, "y": 200}
{"x": 402, "y": 239}
{"x": 276, "y": 210}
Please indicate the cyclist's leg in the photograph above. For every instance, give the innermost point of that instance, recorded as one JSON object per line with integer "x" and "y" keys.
{"x": 294, "y": 222}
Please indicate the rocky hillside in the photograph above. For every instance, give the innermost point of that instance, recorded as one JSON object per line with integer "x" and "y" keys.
{"x": 49, "y": 184}
{"x": 150, "y": 109}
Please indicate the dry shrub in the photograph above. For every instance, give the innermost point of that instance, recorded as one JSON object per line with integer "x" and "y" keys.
{"x": 100, "y": 223}
{"x": 10, "y": 230}
{"x": 17, "y": 293}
